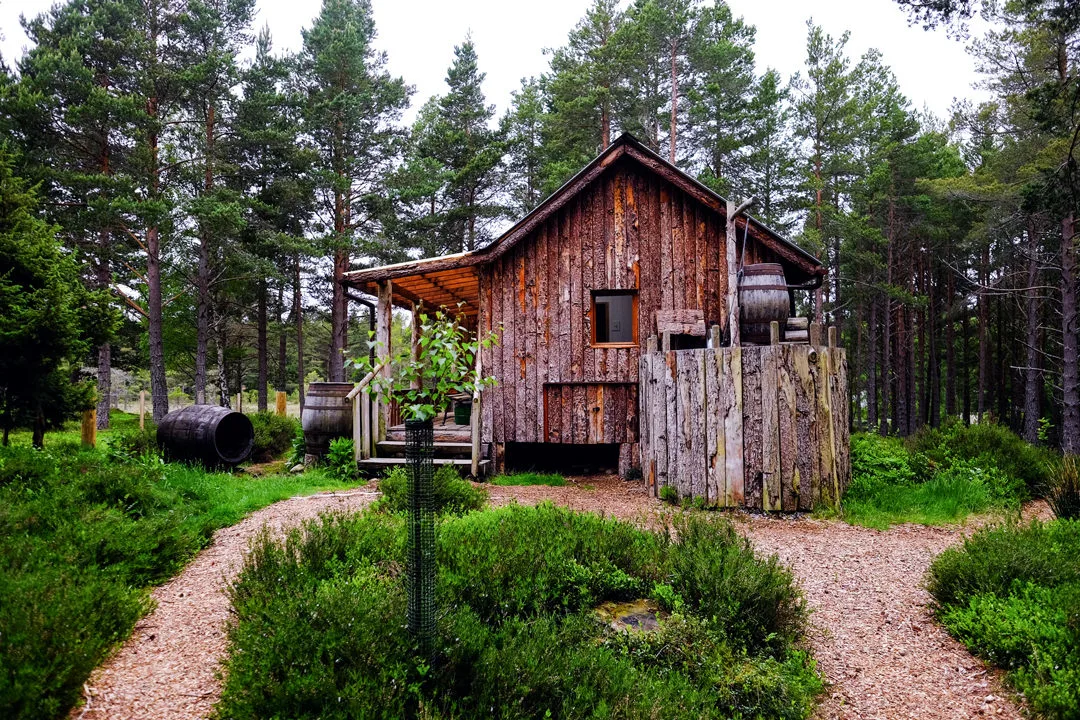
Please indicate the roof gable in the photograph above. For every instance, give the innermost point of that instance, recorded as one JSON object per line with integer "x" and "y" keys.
{"x": 625, "y": 146}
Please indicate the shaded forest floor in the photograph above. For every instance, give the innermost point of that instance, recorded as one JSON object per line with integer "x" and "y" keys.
{"x": 871, "y": 630}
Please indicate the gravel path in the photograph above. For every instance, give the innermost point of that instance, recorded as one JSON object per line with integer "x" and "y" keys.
{"x": 872, "y": 634}
{"x": 166, "y": 669}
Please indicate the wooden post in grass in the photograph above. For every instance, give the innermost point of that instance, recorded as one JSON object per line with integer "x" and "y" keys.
{"x": 142, "y": 409}
{"x": 89, "y": 427}
{"x": 279, "y": 403}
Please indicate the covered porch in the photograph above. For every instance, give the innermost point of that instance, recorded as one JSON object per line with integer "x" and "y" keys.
{"x": 451, "y": 284}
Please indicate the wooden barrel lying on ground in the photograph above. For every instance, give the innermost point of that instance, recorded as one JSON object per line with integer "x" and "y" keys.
{"x": 327, "y": 415}
{"x": 763, "y": 298}
{"x": 215, "y": 436}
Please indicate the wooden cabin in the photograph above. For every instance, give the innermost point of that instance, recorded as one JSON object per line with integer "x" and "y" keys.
{"x": 630, "y": 257}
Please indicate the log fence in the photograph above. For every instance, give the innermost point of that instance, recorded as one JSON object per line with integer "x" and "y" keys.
{"x": 760, "y": 427}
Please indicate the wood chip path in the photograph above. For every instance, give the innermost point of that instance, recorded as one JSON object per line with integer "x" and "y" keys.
{"x": 872, "y": 635}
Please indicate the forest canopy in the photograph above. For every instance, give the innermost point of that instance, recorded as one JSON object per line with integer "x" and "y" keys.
{"x": 219, "y": 200}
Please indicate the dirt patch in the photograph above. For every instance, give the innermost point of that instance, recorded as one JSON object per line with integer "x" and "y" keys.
{"x": 872, "y": 634}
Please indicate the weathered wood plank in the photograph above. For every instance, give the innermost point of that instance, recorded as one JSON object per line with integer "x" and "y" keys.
{"x": 670, "y": 375}
{"x": 733, "y": 429}
{"x": 829, "y": 483}
{"x": 667, "y": 276}
{"x": 807, "y": 465}
{"x": 752, "y": 424}
{"x": 578, "y": 338}
{"x": 527, "y": 429}
{"x": 715, "y": 449}
{"x": 770, "y": 429}
{"x": 695, "y": 362}
{"x": 787, "y": 418}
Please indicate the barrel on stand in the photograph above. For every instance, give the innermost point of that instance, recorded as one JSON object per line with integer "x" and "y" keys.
{"x": 215, "y": 436}
{"x": 327, "y": 415}
{"x": 763, "y": 298}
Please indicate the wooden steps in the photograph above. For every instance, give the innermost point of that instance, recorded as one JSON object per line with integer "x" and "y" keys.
{"x": 391, "y": 453}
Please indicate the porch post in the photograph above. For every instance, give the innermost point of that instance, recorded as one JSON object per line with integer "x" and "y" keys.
{"x": 732, "y": 277}
{"x": 383, "y": 315}
{"x": 416, "y": 341}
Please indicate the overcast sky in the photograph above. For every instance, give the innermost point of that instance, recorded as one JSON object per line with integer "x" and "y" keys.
{"x": 510, "y": 37}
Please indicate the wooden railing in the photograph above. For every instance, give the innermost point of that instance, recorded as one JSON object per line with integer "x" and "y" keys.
{"x": 365, "y": 409}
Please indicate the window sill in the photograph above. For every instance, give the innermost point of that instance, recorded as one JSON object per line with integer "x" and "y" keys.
{"x": 612, "y": 346}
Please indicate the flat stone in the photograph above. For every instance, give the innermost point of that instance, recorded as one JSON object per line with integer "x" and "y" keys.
{"x": 634, "y": 616}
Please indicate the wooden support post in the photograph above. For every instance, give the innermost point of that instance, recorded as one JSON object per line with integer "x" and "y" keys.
{"x": 474, "y": 420}
{"x": 416, "y": 341}
{"x": 240, "y": 402}
{"x": 383, "y": 317}
{"x": 366, "y": 401}
{"x": 815, "y": 334}
{"x": 650, "y": 344}
{"x": 142, "y": 409}
{"x": 665, "y": 344}
{"x": 714, "y": 337}
{"x": 89, "y": 427}
{"x": 358, "y": 426}
{"x": 280, "y": 403}
{"x": 732, "y": 276}
{"x": 774, "y": 333}
{"x": 833, "y": 335}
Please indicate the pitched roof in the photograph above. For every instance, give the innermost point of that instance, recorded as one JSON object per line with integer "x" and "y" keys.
{"x": 625, "y": 146}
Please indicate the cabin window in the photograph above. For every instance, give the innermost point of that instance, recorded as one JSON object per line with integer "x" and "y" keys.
{"x": 614, "y": 317}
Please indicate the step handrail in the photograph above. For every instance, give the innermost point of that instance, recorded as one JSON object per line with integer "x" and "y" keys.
{"x": 361, "y": 412}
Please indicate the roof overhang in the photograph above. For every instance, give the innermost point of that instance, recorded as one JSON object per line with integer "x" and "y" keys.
{"x": 452, "y": 279}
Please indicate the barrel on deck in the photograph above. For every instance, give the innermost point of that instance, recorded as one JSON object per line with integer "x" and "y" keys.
{"x": 763, "y": 298}
{"x": 212, "y": 435}
{"x": 327, "y": 415}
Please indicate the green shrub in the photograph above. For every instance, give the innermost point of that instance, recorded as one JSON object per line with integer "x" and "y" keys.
{"x": 669, "y": 494}
{"x": 989, "y": 445}
{"x": 1012, "y": 596}
{"x": 297, "y": 448}
{"x": 553, "y": 480}
{"x": 133, "y": 442}
{"x": 452, "y": 494}
{"x": 341, "y": 460}
{"x": 82, "y": 534}
{"x": 319, "y": 626}
{"x": 1064, "y": 491}
{"x": 273, "y": 435}
{"x": 894, "y": 482}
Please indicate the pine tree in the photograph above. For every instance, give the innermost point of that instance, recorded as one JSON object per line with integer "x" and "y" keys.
{"x": 214, "y": 31}
{"x": 48, "y": 320}
{"x": 269, "y": 168}
{"x": 76, "y": 115}
{"x": 523, "y": 130}
{"x": 471, "y": 151}
{"x": 350, "y": 113}
{"x": 770, "y": 165}
{"x": 719, "y": 85}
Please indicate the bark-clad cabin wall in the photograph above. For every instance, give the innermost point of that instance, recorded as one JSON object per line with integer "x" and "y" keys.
{"x": 630, "y": 230}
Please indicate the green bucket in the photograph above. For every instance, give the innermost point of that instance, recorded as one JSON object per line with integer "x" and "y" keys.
{"x": 462, "y": 412}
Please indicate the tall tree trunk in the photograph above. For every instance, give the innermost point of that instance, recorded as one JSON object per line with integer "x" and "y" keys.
{"x": 283, "y": 358}
{"x": 202, "y": 318}
{"x": 984, "y": 340}
{"x": 104, "y": 368}
{"x": 1070, "y": 411}
{"x": 605, "y": 125}
{"x": 338, "y": 319}
{"x": 223, "y": 377}
{"x": 872, "y": 368}
{"x": 965, "y": 365}
{"x": 950, "y": 347}
{"x": 262, "y": 349}
{"x": 674, "y": 100}
{"x": 298, "y": 317}
{"x": 1032, "y": 374}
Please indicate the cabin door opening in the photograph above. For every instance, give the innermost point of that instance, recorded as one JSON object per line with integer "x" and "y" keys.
{"x": 563, "y": 458}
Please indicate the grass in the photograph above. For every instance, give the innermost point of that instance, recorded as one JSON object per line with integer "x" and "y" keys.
{"x": 529, "y": 478}
{"x": 896, "y": 482}
{"x": 83, "y": 534}
{"x": 320, "y": 630}
{"x": 1011, "y": 594}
